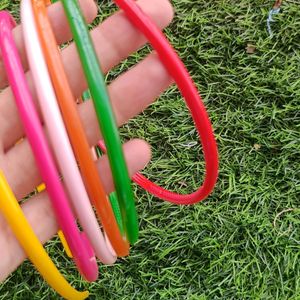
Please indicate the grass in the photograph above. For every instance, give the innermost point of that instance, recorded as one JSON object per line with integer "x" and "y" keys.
{"x": 243, "y": 242}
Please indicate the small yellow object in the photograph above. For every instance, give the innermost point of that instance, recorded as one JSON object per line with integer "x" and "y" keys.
{"x": 64, "y": 243}
{"x": 14, "y": 216}
{"x": 41, "y": 188}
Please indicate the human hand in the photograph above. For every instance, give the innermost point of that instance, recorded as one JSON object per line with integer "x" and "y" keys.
{"x": 115, "y": 39}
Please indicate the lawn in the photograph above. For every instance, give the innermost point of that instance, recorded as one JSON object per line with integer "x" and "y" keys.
{"x": 243, "y": 242}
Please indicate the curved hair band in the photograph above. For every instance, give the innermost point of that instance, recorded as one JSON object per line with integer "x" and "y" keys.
{"x": 8, "y": 204}
{"x": 79, "y": 245}
{"x": 177, "y": 70}
{"x": 81, "y": 149}
{"x": 105, "y": 116}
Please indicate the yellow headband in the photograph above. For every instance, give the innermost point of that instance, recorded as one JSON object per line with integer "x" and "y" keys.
{"x": 14, "y": 216}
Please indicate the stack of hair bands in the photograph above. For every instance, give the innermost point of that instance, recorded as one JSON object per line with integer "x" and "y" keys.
{"x": 116, "y": 212}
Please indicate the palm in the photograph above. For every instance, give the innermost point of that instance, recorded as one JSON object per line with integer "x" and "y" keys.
{"x": 132, "y": 92}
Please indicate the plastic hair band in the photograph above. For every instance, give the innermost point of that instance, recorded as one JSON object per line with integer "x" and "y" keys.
{"x": 81, "y": 149}
{"x": 177, "y": 70}
{"x": 64, "y": 243}
{"x": 40, "y": 188}
{"x": 77, "y": 241}
{"x": 14, "y": 216}
{"x": 105, "y": 117}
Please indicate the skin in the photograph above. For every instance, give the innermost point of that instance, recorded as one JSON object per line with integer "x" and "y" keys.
{"x": 115, "y": 39}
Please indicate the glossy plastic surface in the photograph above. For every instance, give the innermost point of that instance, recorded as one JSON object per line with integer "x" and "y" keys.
{"x": 14, "y": 216}
{"x": 81, "y": 149}
{"x": 105, "y": 117}
{"x": 80, "y": 247}
{"x": 177, "y": 70}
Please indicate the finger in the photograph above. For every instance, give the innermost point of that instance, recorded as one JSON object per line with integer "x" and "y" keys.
{"x": 39, "y": 213}
{"x": 115, "y": 39}
{"x": 60, "y": 28}
{"x": 130, "y": 94}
